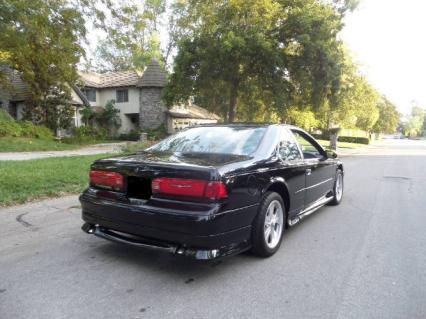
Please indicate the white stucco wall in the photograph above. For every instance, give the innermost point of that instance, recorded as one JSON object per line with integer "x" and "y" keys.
{"x": 75, "y": 98}
{"x": 132, "y": 106}
{"x": 126, "y": 124}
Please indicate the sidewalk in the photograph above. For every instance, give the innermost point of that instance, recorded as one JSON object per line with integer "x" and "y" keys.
{"x": 88, "y": 150}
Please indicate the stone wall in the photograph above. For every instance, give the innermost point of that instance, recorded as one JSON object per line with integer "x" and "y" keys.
{"x": 152, "y": 109}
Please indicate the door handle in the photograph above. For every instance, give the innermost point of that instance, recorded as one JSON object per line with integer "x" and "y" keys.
{"x": 308, "y": 171}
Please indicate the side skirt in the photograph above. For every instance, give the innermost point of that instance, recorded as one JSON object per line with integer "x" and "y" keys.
{"x": 309, "y": 210}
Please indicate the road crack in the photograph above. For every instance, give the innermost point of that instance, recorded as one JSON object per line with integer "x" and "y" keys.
{"x": 23, "y": 222}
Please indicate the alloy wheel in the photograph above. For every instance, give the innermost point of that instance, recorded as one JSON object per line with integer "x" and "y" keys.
{"x": 273, "y": 224}
{"x": 339, "y": 187}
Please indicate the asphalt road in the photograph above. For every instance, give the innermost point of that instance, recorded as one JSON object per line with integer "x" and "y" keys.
{"x": 363, "y": 259}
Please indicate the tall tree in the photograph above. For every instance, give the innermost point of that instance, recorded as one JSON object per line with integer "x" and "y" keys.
{"x": 389, "y": 117}
{"x": 286, "y": 50}
{"x": 132, "y": 35}
{"x": 41, "y": 40}
{"x": 414, "y": 126}
{"x": 227, "y": 45}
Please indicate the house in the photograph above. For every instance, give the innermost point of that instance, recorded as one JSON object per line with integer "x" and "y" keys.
{"x": 136, "y": 95}
{"x": 181, "y": 116}
{"x": 13, "y": 98}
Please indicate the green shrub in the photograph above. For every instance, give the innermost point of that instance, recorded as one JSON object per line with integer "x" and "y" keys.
{"x": 348, "y": 139}
{"x": 157, "y": 133}
{"x": 5, "y": 117}
{"x": 353, "y": 139}
{"x": 86, "y": 134}
{"x": 38, "y": 131}
{"x": 133, "y": 135}
{"x": 10, "y": 127}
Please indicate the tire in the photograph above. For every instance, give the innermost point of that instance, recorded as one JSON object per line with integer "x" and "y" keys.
{"x": 337, "y": 196}
{"x": 265, "y": 245}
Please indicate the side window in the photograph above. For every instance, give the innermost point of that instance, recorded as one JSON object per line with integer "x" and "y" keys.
{"x": 122, "y": 96}
{"x": 309, "y": 150}
{"x": 288, "y": 147}
{"x": 90, "y": 94}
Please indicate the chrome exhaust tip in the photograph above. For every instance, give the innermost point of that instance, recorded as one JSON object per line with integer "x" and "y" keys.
{"x": 88, "y": 228}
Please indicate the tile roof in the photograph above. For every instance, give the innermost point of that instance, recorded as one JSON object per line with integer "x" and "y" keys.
{"x": 110, "y": 79}
{"x": 192, "y": 111}
{"x": 153, "y": 76}
{"x": 19, "y": 90}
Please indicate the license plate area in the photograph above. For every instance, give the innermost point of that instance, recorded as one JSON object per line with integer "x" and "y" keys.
{"x": 139, "y": 187}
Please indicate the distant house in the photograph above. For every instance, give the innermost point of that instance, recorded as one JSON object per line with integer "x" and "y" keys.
{"x": 137, "y": 96}
{"x": 181, "y": 116}
{"x": 14, "y": 97}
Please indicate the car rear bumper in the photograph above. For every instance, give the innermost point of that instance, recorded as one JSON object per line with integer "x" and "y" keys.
{"x": 173, "y": 248}
{"x": 205, "y": 234}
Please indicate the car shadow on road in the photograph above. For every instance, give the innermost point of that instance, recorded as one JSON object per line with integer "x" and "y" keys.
{"x": 175, "y": 267}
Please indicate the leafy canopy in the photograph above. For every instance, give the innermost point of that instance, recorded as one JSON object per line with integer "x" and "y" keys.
{"x": 41, "y": 40}
{"x": 132, "y": 36}
{"x": 284, "y": 52}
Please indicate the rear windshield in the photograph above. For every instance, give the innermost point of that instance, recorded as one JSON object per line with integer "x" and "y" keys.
{"x": 218, "y": 139}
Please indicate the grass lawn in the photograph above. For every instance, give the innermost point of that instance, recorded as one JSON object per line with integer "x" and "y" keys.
{"x": 326, "y": 144}
{"x": 26, "y": 180}
{"x": 25, "y": 144}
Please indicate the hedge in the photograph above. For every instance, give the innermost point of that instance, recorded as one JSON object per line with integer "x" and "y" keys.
{"x": 86, "y": 134}
{"x": 133, "y": 135}
{"x": 10, "y": 127}
{"x": 352, "y": 139}
{"x": 348, "y": 139}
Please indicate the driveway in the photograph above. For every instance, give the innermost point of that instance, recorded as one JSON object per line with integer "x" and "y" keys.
{"x": 88, "y": 150}
{"x": 363, "y": 259}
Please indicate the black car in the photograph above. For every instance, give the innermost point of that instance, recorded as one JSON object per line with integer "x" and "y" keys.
{"x": 212, "y": 191}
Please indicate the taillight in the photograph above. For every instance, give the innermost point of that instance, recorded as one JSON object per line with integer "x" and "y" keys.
{"x": 189, "y": 187}
{"x": 106, "y": 179}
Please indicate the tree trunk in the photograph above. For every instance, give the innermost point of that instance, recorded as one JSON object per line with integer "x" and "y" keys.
{"x": 233, "y": 99}
{"x": 333, "y": 141}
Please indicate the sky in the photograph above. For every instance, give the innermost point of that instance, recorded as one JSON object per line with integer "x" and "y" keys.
{"x": 388, "y": 40}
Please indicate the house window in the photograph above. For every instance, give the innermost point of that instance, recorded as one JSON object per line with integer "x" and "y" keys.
{"x": 90, "y": 94}
{"x": 122, "y": 96}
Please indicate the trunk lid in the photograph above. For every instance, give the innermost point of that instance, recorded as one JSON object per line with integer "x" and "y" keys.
{"x": 139, "y": 169}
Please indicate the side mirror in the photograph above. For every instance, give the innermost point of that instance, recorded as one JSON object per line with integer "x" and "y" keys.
{"x": 331, "y": 154}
